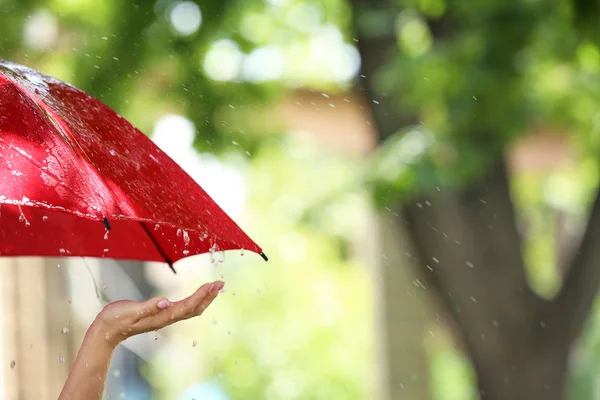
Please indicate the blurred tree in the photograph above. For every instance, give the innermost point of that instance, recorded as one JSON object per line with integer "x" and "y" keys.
{"x": 452, "y": 85}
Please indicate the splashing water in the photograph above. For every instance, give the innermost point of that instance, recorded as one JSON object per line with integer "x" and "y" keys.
{"x": 186, "y": 238}
{"x": 212, "y": 251}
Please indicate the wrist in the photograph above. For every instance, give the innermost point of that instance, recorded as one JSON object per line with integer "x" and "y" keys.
{"x": 100, "y": 335}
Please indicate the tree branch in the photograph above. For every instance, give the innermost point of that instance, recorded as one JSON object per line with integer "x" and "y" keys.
{"x": 571, "y": 307}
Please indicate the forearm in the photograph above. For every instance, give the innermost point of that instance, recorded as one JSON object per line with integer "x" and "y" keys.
{"x": 88, "y": 375}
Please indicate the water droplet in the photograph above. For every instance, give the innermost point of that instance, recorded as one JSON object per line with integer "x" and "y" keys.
{"x": 117, "y": 373}
{"x": 186, "y": 252}
{"x": 242, "y": 253}
{"x": 106, "y": 250}
{"x": 65, "y": 330}
{"x": 106, "y": 234}
{"x": 13, "y": 364}
{"x": 22, "y": 217}
{"x": 178, "y": 232}
{"x": 61, "y": 359}
{"x": 186, "y": 238}
{"x": 45, "y": 218}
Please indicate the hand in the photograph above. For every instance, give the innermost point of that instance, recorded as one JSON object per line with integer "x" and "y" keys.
{"x": 122, "y": 319}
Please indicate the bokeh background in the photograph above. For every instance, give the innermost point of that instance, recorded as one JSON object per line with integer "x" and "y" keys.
{"x": 420, "y": 174}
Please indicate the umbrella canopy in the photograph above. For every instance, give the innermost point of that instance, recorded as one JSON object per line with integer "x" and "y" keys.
{"x": 77, "y": 179}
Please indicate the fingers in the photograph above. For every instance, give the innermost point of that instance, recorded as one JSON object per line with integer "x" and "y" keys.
{"x": 192, "y": 306}
{"x": 151, "y": 307}
{"x": 187, "y": 308}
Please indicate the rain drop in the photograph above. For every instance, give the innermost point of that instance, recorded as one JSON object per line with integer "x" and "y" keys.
{"x": 186, "y": 238}
{"x": 242, "y": 253}
{"x": 178, "y": 232}
{"x": 186, "y": 252}
{"x": 45, "y": 218}
{"x": 61, "y": 359}
{"x": 65, "y": 330}
{"x": 106, "y": 234}
{"x": 22, "y": 217}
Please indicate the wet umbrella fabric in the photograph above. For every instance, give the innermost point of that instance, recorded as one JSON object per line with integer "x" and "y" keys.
{"x": 77, "y": 179}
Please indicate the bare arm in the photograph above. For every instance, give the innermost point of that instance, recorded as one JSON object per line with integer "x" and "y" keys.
{"x": 118, "y": 321}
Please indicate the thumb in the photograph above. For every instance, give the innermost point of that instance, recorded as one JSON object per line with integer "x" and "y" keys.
{"x": 154, "y": 306}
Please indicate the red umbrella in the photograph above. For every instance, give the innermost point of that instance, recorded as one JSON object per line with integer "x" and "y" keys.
{"x": 77, "y": 179}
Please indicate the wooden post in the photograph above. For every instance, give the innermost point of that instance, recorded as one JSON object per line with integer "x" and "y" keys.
{"x": 402, "y": 312}
{"x": 9, "y": 364}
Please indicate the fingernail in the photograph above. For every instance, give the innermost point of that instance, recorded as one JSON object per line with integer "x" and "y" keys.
{"x": 162, "y": 304}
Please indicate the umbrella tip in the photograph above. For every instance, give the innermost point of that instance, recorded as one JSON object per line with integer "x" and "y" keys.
{"x": 172, "y": 267}
{"x": 106, "y": 224}
{"x": 264, "y": 256}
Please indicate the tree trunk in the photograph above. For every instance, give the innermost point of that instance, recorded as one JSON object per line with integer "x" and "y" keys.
{"x": 468, "y": 248}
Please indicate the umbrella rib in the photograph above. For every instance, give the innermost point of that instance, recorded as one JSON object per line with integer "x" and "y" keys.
{"x": 160, "y": 250}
